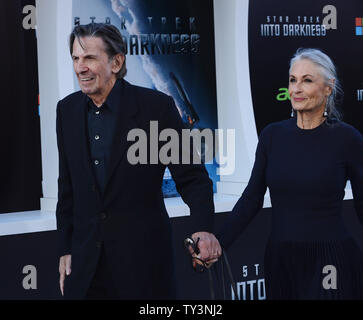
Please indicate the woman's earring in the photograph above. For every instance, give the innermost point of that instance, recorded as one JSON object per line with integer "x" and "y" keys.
{"x": 326, "y": 110}
{"x": 292, "y": 112}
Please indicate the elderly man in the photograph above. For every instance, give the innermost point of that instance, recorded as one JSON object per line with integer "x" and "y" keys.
{"x": 114, "y": 231}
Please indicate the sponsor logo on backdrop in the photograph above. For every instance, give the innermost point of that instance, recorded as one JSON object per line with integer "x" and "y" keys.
{"x": 283, "y": 95}
{"x": 359, "y": 26}
{"x": 301, "y": 25}
{"x": 252, "y": 289}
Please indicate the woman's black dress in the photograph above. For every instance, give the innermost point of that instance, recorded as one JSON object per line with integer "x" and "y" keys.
{"x": 306, "y": 172}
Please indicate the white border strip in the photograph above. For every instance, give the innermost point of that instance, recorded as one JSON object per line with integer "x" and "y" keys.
{"x": 37, "y": 221}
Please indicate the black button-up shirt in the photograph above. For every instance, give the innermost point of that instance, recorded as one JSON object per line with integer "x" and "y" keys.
{"x": 101, "y": 130}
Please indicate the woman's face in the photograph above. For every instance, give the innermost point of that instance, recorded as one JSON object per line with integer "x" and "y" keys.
{"x": 307, "y": 87}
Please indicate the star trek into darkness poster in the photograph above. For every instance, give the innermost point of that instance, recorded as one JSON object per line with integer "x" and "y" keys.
{"x": 169, "y": 48}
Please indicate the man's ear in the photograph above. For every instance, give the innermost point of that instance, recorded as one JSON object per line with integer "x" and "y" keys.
{"x": 117, "y": 62}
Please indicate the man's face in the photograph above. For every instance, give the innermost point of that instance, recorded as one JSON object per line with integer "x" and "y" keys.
{"x": 96, "y": 73}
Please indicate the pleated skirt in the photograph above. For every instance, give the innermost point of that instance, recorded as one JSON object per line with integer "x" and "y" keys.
{"x": 314, "y": 270}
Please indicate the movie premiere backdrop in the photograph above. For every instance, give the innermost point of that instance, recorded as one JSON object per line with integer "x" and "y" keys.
{"x": 20, "y": 169}
{"x": 277, "y": 31}
{"x": 170, "y": 48}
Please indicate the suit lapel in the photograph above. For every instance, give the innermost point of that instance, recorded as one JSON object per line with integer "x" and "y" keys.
{"x": 125, "y": 122}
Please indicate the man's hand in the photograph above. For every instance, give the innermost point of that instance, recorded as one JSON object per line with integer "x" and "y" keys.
{"x": 64, "y": 269}
{"x": 209, "y": 248}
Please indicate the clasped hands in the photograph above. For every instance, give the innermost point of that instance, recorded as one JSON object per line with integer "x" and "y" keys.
{"x": 207, "y": 249}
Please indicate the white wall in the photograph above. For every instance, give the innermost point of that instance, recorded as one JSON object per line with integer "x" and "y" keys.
{"x": 235, "y": 110}
{"x": 54, "y": 24}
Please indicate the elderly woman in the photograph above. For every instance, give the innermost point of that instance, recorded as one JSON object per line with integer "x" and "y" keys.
{"x": 305, "y": 162}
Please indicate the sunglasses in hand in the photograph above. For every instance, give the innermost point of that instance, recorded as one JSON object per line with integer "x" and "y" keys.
{"x": 192, "y": 249}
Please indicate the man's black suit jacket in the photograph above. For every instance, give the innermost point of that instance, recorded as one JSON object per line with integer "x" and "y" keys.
{"x": 129, "y": 218}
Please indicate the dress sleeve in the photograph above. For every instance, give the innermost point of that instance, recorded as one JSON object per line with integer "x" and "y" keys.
{"x": 251, "y": 201}
{"x": 355, "y": 172}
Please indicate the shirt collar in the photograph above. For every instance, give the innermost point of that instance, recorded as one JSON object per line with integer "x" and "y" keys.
{"x": 112, "y": 101}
